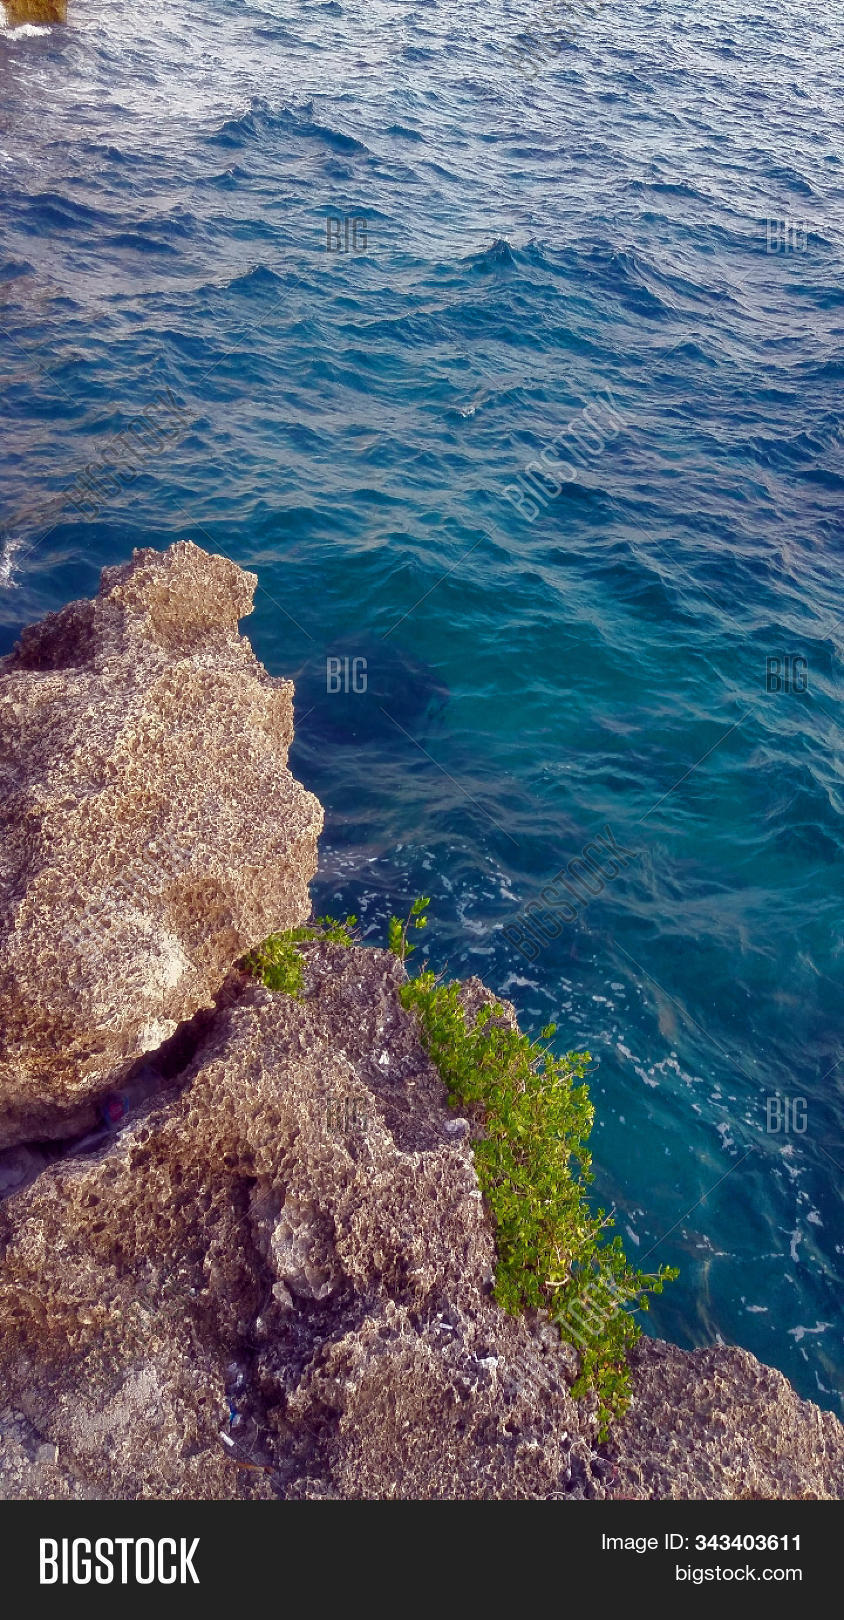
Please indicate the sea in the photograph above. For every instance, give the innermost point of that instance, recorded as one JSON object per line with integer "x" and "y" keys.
{"x": 503, "y": 343}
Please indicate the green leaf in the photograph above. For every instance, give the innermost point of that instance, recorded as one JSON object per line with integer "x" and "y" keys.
{"x": 533, "y": 1167}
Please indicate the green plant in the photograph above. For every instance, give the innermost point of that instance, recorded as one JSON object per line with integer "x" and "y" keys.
{"x": 533, "y": 1118}
{"x": 330, "y": 928}
{"x": 533, "y": 1164}
{"x": 277, "y": 962}
{"x": 397, "y": 930}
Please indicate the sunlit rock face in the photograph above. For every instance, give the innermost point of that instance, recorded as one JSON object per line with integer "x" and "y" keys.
{"x": 150, "y": 831}
{"x": 283, "y": 1258}
{"x": 34, "y": 11}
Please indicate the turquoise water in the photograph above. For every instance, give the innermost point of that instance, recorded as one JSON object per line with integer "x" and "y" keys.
{"x": 643, "y": 220}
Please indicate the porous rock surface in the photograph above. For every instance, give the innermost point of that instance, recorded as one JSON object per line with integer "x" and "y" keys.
{"x": 274, "y": 1280}
{"x": 718, "y": 1423}
{"x": 290, "y": 1227}
{"x": 150, "y": 831}
{"x": 34, "y": 11}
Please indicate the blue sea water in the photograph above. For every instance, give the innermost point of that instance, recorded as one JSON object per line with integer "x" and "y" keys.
{"x": 645, "y": 210}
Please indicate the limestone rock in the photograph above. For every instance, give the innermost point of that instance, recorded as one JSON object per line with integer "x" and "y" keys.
{"x": 150, "y": 831}
{"x": 274, "y": 1279}
{"x": 251, "y": 1261}
{"x": 718, "y": 1423}
{"x": 34, "y": 11}
{"x": 30, "y": 1469}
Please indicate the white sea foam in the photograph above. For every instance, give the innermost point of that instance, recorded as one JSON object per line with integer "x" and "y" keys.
{"x": 799, "y": 1333}
{"x": 727, "y": 1140}
{"x": 23, "y": 31}
{"x": 515, "y": 980}
{"x": 8, "y": 552}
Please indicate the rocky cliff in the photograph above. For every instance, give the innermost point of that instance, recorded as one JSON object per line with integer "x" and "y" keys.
{"x": 243, "y": 1250}
{"x": 34, "y": 11}
{"x": 150, "y": 829}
